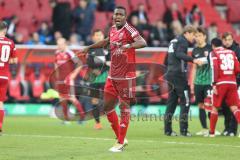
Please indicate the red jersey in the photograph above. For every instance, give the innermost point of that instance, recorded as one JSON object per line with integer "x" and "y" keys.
{"x": 63, "y": 57}
{"x": 122, "y": 62}
{"x": 225, "y": 66}
{"x": 64, "y": 63}
{"x": 7, "y": 51}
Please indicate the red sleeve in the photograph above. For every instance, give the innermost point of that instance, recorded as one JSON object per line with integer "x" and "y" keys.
{"x": 236, "y": 64}
{"x": 13, "y": 50}
{"x": 215, "y": 67}
{"x": 133, "y": 31}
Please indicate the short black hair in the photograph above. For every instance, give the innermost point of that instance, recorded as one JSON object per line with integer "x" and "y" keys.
{"x": 216, "y": 42}
{"x": 3, "y": 25}
{"x": 123, "y": 8}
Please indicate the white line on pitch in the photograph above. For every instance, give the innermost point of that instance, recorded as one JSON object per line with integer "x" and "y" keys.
{"x": 201, "y": 144}
{"x": 110, "y": 139}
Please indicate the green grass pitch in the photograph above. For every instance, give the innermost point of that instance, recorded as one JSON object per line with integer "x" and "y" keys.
{"x": 43, "y": 138}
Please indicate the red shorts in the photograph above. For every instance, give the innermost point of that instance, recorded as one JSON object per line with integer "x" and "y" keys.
{"x": 3, "y": 89}
{"x": 64, "y": 88}
{"x": 227, "y": 93}
{"x": 124, "y": 90}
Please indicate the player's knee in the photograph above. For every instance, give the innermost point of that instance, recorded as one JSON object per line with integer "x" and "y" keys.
{"x": 214, "y": 110}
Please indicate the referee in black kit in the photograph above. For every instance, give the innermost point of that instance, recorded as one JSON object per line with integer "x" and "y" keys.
{"x": 177, "y": 59}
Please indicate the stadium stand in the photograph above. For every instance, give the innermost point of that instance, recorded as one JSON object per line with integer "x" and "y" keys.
{"x": 32, "y": 12}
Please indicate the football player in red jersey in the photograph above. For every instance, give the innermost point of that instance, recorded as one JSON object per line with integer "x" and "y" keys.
{"x": 120, "y": 85}
{"x": 65, "y": 75}
{"x": 225, "y": 68}
{"x": 7, "y": 55}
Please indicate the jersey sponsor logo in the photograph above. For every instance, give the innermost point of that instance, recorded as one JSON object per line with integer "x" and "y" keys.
{"x": 197, "y": 55}
{"x": 121, "y": 36}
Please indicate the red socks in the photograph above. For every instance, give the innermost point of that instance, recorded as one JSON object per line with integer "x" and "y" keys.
{"x": 65, "y": 111}
{"x": 113, "y": 119}
{"x": 1, "y": 118}
{"x": 79, "y": 108}
{"x": 213, "y": 122}
{"x": 125, "y": 117}
{"x": 237, "y": 115}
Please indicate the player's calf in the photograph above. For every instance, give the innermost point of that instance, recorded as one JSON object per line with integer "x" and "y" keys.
{"x": 213, "y": 120}
{"x": 236, "y": 113}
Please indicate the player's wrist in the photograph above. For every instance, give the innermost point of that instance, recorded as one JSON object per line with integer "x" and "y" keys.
{"x": 128, "y": 46}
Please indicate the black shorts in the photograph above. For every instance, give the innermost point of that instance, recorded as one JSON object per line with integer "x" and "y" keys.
{"x": 201, "y": 91}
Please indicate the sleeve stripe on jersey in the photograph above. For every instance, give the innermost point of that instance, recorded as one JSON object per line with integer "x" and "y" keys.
{"x": 71, "y": 53}
{"x": 129, "y": 28}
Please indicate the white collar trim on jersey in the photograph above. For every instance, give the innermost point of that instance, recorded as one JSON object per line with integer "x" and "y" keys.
{"x": 122, "y": 27}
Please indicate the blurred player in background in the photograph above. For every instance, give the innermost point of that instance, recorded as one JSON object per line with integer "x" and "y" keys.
{"x": 225, "y": 67}
{"x": 65, "y": 75}
{"x": 120, "y": 84}
{"x": 230, "y": 122}
{"x": 7, "y": 55}
{"x": 96, "y": 60}
{"x": 201, "y": 84}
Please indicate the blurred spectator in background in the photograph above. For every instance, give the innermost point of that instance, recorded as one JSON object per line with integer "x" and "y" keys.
{"x": 84, "y": 19}
{"x": 176, "y": 28}
{"x": 230, "y": 43}
{"x": 159, "y": 35}
{"x": 106, "y": 5}
{"x": 195, "y": 17}
{"x": 141, "y": 14}
{"x": 212, "y": 31}
{"x": 18, "y": 39}
{"x": 139, "y": 19}
{"x": 56, "y": 36}
{"x": 35, "y": 39}
{"x": 74, "y": 40}
{"x": 12, "y": 24}
{"x": 134, "y": 21}
{"x": 45, "y": 33}
{"x": 61, "y": 17}
{"x": 172, "y": 14}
